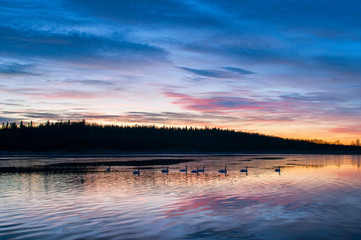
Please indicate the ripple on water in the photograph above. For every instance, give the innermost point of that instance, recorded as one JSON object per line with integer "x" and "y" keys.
{"x": 315, "y": 196}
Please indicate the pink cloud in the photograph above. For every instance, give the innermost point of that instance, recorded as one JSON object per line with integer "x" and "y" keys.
{"x": 348, "y": 130}
{"x": 219, "y": 103}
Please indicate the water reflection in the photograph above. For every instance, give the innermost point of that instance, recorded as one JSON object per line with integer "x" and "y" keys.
{"x": 315, "y": 197}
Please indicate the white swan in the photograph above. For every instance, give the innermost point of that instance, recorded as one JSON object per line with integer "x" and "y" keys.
{"x": 137, "y": 172}
{"x": 278, "y": 169}
{"x": 195, "y": 171}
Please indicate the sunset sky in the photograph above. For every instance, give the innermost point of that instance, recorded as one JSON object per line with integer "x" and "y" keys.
{"x": 285, "y": 68}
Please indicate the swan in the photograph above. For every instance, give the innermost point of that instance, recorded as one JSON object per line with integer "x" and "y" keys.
{"x": 223, "y": 170}
{"x": 201, "y": 170}
{"x": 137, "y": 172}
{"x": 244, "y": 170}
{"x": 108, "y": 169}
{"x": 165, "y": 170}
{"x": 195, "y": 171}
{"x": 184, "y": 170}
{"x": 278, "y": 169}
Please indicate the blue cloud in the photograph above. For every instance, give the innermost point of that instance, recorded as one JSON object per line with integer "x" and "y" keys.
{"x": 15, "y": 69}
{"x": 207, "y": 73}
{"x": 74, "y": 46}
{"x": 343, "y": 64}
{"x": 231, "y": 72}
{"x": 315, "y": 97}
{"x": 318, "y": 17}
{"x": 91, "y": 82}
{"x": 238, "y": 70}
{"x": 145, "y": 13}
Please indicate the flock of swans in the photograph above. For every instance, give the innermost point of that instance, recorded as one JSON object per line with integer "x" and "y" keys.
{"x": 198, "y": 170}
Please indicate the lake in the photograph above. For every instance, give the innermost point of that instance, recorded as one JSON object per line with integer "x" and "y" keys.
{"x": 312, "y": 197}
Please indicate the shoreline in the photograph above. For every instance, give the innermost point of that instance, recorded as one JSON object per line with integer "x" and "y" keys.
{"x": 105, "y": 153}
{"x": 87, "y": 161}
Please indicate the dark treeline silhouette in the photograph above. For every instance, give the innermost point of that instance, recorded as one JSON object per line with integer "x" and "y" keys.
{"x": 82, "y": 136}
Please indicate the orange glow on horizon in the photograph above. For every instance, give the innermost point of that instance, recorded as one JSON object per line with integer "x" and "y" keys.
{"x": 317, "y": 135}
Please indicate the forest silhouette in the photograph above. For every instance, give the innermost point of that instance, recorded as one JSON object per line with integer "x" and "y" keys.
{"x": 90, "y": 137}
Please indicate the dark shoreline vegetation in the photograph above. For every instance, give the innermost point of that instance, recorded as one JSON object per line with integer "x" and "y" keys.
{"x": 82, "y": 137}
{"x": 75, "y": 167}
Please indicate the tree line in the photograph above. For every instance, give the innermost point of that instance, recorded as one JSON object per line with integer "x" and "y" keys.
{"x": 82, "y": 136}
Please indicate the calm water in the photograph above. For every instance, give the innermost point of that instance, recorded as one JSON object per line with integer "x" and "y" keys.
{"x": 314, "y": 197}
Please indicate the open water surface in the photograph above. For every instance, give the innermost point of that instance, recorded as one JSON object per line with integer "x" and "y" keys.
{"x": 313, "y": 197}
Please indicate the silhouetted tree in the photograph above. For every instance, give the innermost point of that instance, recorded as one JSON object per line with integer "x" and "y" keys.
{"x": 77, "y": 136}
{"x": 13, "y": 126}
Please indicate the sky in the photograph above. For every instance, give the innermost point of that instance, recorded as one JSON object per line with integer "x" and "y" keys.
{"x": 285, "y": 68}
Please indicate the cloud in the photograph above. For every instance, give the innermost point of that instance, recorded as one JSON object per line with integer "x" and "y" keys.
{"x": 38, "y": 93}
{"x": 42, "y": 115}
{"x": 315, "y": 97}
{"x": 343, "y": 64}
{"x": 143, "y": 13}
{"x": 352, "y": 130}
{"x": 90, "y": 82}
{"x": 37, "y": 14}
{"x": 218, "y": 103}
{"x": 7, "y": 119}
{"x": 253, "y": 106}
{"x": 239, "y": 50}
{"x": 10, "y": 104}
{"x": 160, "y": 118}
{"x": 207, "y": 73}
{"x": 289, "y": 15}
{"x": 75, "y": 47}
{"x": 15, "y": 69}
{"x": 238, "y": 70}
{"x": 177, "y": 117}
{"x": 230, "y": 72}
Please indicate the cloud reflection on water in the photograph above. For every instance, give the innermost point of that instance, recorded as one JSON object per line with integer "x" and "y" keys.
{"x": 306, "y": 201}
